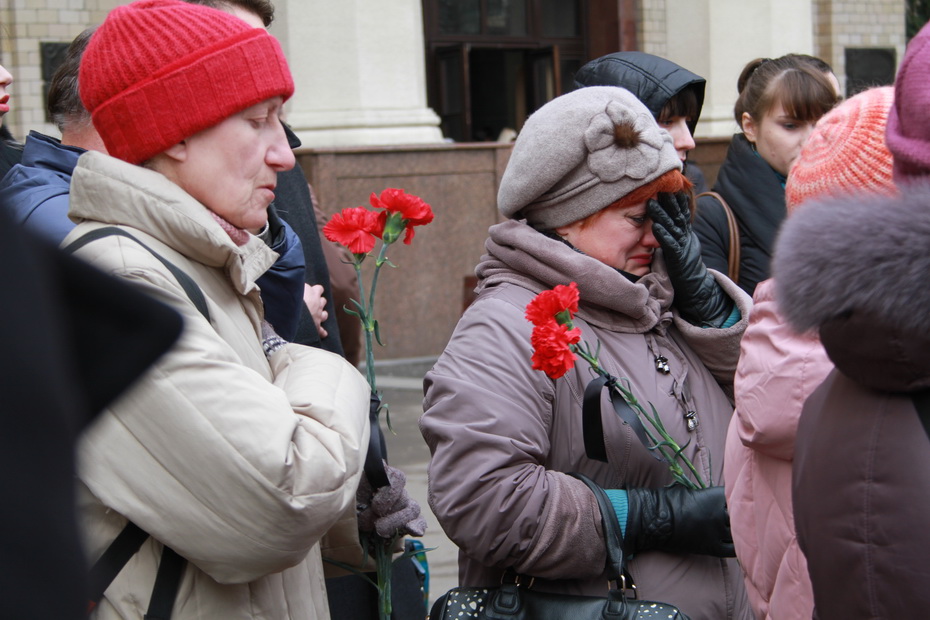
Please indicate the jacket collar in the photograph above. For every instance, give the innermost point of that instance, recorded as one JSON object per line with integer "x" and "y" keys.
{"x": 41, "y": 151}
{"x": 520, "y": 255}
{"x": 749, "y": 183}
{"x": 111, "y": 191}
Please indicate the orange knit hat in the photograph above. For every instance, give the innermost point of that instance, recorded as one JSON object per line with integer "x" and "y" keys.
{"x": 846, "y": 153}
{"x": 158, "y": 71}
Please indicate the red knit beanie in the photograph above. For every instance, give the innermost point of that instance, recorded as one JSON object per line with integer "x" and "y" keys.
{"x": 846, "y": 152}
{"x": 158, "y": 71}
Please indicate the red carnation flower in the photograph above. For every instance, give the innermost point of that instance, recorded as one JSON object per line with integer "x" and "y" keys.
{"x": 409, "y": 209}
{"x": 551, "y": 351}
{"x": 559, "y": 304}
{"x": 354, "y": 227}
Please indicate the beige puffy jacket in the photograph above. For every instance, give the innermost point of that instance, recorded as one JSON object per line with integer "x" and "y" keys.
{"x": 238, "y": 462}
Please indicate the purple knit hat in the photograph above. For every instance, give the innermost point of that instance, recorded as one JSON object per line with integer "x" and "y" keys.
{"x": 908, "y": 133}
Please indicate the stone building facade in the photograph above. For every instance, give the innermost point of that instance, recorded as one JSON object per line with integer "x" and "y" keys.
{"x": 361, "y": 108}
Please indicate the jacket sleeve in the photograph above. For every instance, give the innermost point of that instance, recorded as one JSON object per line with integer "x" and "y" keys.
{"x": 775, "y": 359}
{"x": 283, "y": 285}
{"x": 239, "y": 474}
{"x": 719, "y": 349}
{"x": 487, "y": 416}
{"x": 39, "y": 203}
{"x": 710, "y": 226}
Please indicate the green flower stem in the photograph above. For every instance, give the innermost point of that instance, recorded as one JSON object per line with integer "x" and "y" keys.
{"x": 664, "y": 443}
{"x": 382, "y": 546}
{"x": 383, "y": 561}
{"x": 668, "y": 447}
{"x": 364, "y": 315}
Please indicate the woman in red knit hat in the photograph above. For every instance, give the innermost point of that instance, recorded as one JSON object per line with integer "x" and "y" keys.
{"x": 238, "y": 451}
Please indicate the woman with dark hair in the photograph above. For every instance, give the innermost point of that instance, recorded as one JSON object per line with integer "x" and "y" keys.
{"x": 673, "y": 94}
{"x": 780, "y": 100}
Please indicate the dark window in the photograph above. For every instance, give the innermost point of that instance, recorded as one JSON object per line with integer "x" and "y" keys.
{"x": 866, "y": 68}
{"x": 507, "y": 17}
{"x": 459, "y": 16}
{"x": 492, "y": 63}
{"x": 560, "y": 19}
{"x": 53, "y": 54}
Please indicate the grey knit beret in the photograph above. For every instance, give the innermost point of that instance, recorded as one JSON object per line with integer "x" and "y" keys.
{"x": 580, "y": 153}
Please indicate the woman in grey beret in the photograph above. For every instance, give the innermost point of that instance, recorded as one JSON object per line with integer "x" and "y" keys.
{"x": 594, "y": 195}
{"x": 673, "y": 94}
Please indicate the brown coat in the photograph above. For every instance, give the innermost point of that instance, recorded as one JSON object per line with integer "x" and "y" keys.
{"x": 502, "y": 435}
{"x": 861, "y": 479}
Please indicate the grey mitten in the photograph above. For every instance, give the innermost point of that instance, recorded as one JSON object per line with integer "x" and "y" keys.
{"x": 698, "y": 296}
{"x": 680, "y": 520}
{"x": 389, "y": 511}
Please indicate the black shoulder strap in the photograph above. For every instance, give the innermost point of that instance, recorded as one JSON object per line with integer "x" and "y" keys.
{"x": 922, "y": 404}
{"x": 592, "y": 426}
{"x": 108, "y": 566}
{"x": 117, "y": 555}
{"x": 613, "y": 538}
{"x": 187, "y": 283}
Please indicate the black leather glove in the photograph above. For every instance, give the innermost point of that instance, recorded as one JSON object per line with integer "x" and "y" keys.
{"x": 698, "y": 297}
{"x": 680, "y": 520}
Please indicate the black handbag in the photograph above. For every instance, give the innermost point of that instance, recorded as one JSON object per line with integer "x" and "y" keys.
{"x": 514, "y": 601}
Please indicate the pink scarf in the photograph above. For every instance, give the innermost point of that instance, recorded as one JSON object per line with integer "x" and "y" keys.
{"x": 239, "y": 236}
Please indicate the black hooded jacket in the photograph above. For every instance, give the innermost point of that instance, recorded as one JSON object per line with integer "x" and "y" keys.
{"x": 654, "y": 80}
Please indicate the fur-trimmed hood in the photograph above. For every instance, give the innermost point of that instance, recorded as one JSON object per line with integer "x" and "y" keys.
{"x": 858, "y": 270}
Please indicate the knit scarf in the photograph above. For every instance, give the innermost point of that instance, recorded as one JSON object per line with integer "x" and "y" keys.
{"x": 239, "y": 236}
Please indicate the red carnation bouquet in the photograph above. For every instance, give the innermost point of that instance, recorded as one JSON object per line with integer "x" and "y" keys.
{"x": 557, "y": 344}
{"x": 360, "y": 229}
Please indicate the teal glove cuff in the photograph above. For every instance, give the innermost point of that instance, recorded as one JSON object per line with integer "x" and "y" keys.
{"x": 619, "y": 500}
{"x": 733, "y": 319}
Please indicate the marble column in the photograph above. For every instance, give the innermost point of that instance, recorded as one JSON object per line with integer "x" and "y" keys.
{"x": 359, "y": 69}
{"x": 716, "y": 38}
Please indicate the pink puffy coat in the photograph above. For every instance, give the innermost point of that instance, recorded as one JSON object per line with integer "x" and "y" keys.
{"x": 777, "y": 371}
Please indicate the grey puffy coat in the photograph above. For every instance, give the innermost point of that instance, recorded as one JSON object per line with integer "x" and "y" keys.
{"x": 502, "y": 435}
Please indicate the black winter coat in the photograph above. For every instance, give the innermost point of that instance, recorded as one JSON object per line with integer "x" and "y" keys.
{"x": 295, "y": 206}
{"x": 756, "y": 196}
{"x": 11, "y": 151}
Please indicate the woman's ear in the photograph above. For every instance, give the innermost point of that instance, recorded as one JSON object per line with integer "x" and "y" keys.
{"x": 177, "y": 152}
{"x": 749, "y": 127}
